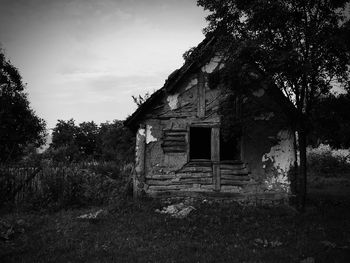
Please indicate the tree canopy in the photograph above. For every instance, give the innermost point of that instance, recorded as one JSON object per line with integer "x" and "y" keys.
{"x": 300, "y": 46}
{"x": 297, "y": 48}
{"x": 331, "y": 121}
{"x": 19, "y": 125}
{"x": 88, "y": 141}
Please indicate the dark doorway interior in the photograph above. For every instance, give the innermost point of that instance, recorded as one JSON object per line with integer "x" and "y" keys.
{"x": 229, "y": 149}
{"x": 200, "y": 142}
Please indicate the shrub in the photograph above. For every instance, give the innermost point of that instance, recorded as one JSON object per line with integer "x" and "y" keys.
{"x": 325, "y": 161}
{"x": 74, "y": 185}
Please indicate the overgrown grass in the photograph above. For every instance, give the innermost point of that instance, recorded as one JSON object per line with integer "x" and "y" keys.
{"x": 214, "y": 232}
{"x": 69, "y": 185}
{"x": 211, "y": 233}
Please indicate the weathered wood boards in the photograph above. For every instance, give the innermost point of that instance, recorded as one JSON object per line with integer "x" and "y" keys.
{"x": 201, "y": 96}
{"x": 234, "y": 174}
{"x": 196, "y": 175}
{"x": 179, "y": 181}
{"x": 174, "y": 141}
{"x": 203, "y": 176}
{"x": 215, "y": 157}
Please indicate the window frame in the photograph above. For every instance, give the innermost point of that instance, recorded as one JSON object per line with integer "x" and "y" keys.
{"x": 218, "y": 141}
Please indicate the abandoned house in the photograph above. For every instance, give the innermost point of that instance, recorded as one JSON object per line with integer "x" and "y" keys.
{"x": 181, "y": 150}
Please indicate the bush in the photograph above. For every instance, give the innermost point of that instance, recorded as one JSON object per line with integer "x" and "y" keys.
{"x": 75, "y": 185}
{"x": 325, "y": 161}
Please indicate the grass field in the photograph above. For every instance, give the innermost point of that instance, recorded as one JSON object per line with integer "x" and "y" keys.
{"x": 211, "y": 233}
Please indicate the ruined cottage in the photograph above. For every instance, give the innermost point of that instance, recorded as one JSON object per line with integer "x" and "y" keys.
{"x": 180, "y": 149}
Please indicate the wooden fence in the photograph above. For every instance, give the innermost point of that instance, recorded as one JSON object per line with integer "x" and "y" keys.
{"x": 17, "y": 183}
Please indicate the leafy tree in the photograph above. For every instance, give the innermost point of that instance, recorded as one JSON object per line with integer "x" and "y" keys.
{"x": 331, "y": 121}
{"x": 116, "y": 142}
{"x": 72, "y": 142}
{"x": 86, "y": 138}
{"x": 89, "y": 141}
{"x": 19, "y": 125}
{"x": 64, "y": 134}
{"x": 296, "y": 47}
{"x": 63, "y": 146}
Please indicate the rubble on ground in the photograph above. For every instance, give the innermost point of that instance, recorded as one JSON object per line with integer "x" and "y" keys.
{"x": 93, "y": 215}
{"x": 180, "y": 210}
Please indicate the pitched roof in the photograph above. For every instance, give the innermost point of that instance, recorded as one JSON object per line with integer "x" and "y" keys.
{"x": 199, "y": 56}
{"x": 190, "y": 66}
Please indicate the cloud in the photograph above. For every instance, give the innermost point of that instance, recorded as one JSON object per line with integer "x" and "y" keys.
{"x": 85, "y": 58}
{"x": 125, "y": 85}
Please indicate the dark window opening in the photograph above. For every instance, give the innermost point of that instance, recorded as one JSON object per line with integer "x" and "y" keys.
{"x": 200, "y": 143}
{"x": 230, "y": 149}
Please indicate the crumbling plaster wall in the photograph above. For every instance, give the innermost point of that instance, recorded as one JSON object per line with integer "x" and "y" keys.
{"x": 139, "y": 176}
{"x": 278, "y": 162}
{"x": 176, "y": 111}
{"x": 267, "y": 143}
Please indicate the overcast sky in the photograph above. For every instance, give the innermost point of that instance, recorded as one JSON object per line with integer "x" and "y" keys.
{"x": 83, "y": 59}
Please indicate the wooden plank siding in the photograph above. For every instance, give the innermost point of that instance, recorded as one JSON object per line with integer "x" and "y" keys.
{"x": 201, "y": 96}
{"x": 215, "y": 156}
{"x": 174, "y": 141}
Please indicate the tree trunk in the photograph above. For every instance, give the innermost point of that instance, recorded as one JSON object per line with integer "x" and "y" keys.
{"x": 294, "y": 175}
{"x": 302, "y": 136}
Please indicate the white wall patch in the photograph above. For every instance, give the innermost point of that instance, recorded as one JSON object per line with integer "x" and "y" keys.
{"x": 192, "y": 83}
{"x": 141, "y": 132}
{"x": 172, "y": 101}
{"x": 212, "y": 65}
{"x": 282, "y": 158}
{"x": 149, "y": 136}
